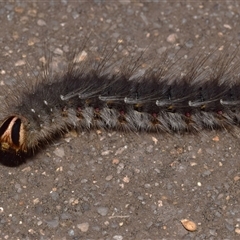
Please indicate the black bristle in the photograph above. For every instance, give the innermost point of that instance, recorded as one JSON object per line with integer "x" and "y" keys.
{"x": 163, "y": 101}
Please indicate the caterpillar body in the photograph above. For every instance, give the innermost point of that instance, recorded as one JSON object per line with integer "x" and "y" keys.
{"x": 159, "y": 99}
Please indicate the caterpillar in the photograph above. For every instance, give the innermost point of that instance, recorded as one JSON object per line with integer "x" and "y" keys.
{"x": 159, "y": 98}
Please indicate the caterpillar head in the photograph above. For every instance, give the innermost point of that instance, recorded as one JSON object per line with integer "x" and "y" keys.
{"x": 12, "y": 141}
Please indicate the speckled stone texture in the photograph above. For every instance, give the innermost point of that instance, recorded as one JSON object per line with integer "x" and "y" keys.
{"x": 112, "y": 185}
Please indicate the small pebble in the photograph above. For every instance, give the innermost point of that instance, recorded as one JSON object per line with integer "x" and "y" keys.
{"x": 109, "y": 177}
{"x": 120, "y": 167}
{"x": 71, "y": 232}
{"x": 58, "y": 51}
{"x": 115, "y": 161}
{"x": 20, "y": 63}
{"x": 105, "y": 153}
{"x": 54, "y": 195}
{"x": 117, "y": 237}
{"x": 149, "y": 149}
{"x": 83, "y": 226}
{"x": 53, "y": 223}
{"x": 189, "y": 225}
{"x": 65, "y": 216}
{"x": 41, "y": 22}
{"x": 237, "y": 230}
{"x": 59, "y": 152}
{"x": 126, "y": 179}
{"x": 172, "y": 38}
{"x": 103, "y": 211}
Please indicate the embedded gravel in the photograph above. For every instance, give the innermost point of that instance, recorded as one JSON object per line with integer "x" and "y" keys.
{"x": 113, "y": 185}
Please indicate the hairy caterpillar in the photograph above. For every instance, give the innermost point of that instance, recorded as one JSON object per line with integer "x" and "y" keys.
{"x": 158, "y": 99}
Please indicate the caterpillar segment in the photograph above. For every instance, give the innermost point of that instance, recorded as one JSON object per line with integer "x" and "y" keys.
{"x": 154, "y": 101}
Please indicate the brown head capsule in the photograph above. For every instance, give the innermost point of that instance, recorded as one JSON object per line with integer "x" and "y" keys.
{"x": 12, "y": 135}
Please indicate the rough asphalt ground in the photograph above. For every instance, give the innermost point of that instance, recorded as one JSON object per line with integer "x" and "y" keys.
{"x": 110, "y": 185}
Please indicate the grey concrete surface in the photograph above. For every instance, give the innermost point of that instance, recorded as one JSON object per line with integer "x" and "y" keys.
{"x": 111, "y": 185}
